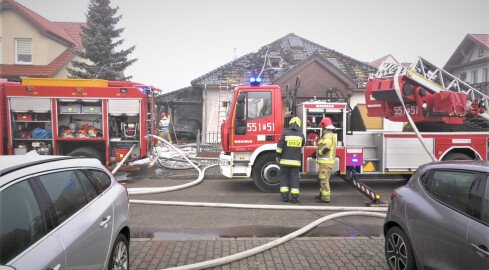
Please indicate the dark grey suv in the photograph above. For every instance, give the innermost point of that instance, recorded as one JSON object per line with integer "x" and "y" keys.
{"x": 440, "y": 219}
{"x": 61, "y": 213}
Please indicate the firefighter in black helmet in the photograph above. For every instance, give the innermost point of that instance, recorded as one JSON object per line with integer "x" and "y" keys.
{"x": 289, "y": 157}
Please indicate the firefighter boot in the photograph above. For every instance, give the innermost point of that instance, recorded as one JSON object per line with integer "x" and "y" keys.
{"x": 285, "y": 196}
{"x": 295, "y": 200}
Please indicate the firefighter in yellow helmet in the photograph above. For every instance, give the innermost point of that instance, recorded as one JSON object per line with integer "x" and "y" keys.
{"x": 289, "y": 156}
{"x": 325, "y": 157}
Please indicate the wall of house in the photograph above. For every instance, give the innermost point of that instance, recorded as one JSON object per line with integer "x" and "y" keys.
{"x": 210, "y": 109}
{"x": 315, "y": 80}
{"x": 479, "y": 68}
{"x": 44, "y": 49}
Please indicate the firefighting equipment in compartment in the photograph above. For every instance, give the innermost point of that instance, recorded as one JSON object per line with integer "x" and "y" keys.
{"x": 326, "y": 123}
{"x": 42, "y": 148}
{"x": 129, "y": 130}
{"x": 308, "y": 123}
{"x": 312, "y": 138}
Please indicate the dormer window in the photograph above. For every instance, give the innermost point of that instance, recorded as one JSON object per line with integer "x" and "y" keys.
{"x": 275, "y": 62}
{"x": 481, "y": 52}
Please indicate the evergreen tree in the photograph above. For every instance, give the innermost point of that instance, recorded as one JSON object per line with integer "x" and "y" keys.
{"x": 99, "y": 39}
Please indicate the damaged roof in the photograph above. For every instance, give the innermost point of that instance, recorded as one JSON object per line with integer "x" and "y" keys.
{"x": 187, "y": 95}
{"x": 282, "y": 56}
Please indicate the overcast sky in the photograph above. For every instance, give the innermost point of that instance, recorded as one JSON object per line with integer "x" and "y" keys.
{"x": 180, "y": 40}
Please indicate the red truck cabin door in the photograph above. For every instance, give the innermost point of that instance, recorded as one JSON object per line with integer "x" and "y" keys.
{"x": 255, "y": 120}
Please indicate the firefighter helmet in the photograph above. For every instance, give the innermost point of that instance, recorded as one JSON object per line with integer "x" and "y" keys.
{"x": 295, "y": 120}
{"x": 163, "y": 115}
{"x": 326, "y": 123}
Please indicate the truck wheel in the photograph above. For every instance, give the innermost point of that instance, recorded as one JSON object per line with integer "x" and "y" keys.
{"x": 265, "y": 173}
{"x": 87, "y": 152}
{"x": 457, "y": 156}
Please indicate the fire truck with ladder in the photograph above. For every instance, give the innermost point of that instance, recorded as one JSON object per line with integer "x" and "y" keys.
{"x": 96, "y": 118}
{"x": 429, "y": 94}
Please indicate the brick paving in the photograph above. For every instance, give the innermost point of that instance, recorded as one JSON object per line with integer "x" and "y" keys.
{"x": 300, "y": 253}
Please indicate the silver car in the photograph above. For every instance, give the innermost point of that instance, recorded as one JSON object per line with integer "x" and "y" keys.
{"x": 61, "y": 212}
{"x": 440, "y": 219}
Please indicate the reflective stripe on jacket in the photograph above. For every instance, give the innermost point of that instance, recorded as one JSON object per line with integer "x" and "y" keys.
{"x": 289, "y": 147}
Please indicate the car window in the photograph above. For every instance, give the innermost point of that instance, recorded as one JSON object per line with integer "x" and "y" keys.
{"x": 485, "y": 204}
{"x": 65, "y": 192}
{"x": 453, "y": 188}
{"x": 21, "y": 223}
{"x": 102, "y": 178}
{"x": 88, "y": 187}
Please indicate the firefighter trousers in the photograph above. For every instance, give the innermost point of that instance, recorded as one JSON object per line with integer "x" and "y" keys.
{"x": 165, "y": 135}
{"x": 289, "y": 181}
{"x": 324, "y": 175}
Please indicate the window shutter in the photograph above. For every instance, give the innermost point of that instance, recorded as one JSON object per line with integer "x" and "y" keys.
{"x": 24, "y": 50}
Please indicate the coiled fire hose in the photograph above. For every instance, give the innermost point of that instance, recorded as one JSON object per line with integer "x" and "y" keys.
{"x": 350, "y": 211}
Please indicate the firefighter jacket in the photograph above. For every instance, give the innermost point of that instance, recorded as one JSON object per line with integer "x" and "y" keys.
{"x": 289, "y": 147}
{"x": 164, "y": 124}
{"x": 327, "y": 148}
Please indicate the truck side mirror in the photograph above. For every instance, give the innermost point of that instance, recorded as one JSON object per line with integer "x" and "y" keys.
{"x": 240, "y": 122}
{"x": 240, "y": 108}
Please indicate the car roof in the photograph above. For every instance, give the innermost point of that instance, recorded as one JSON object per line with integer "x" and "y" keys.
{"x": 472, "y": 165}
{"x": 12, "y": 163}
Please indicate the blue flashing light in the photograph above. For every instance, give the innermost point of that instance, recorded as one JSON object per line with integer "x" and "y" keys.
{"x": 354, "y": 160}
{"x": 255, "y": 80}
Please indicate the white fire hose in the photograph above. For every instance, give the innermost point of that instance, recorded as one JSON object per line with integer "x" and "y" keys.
{"x": 350, "y": 211}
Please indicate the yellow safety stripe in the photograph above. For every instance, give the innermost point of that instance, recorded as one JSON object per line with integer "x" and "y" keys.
{"x": 290, "y": 162}
{"x": 326, "y": 193}
{"x": 325, "y": 141}
{"x": 279, "y": 150}
{"x": 294, "y": 191}
{"x": 322, "y": 161}
{"x": 284, "y": 189}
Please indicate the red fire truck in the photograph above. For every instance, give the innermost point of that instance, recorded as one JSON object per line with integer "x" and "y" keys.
{"x": 78, "y": 117}
{"x": 256, "y": 121}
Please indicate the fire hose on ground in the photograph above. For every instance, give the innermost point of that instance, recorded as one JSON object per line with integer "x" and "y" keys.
{"x": 350, "y": 211}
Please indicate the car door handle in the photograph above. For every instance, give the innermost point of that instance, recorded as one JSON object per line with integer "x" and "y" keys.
{"x": 482, "y": 249}
{"x": 105, "y": 220}
{"x": 57, "y": 267}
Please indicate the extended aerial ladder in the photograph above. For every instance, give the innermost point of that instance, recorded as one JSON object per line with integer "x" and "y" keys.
{"x": 419, "y": 84}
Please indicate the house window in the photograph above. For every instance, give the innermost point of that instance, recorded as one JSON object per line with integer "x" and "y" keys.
{"x": 275, "y": 62}
{"x": 485, "y": 75}
{"x": 481, "y": 52}
{"x": 474, "y": 76}
{"x": 23, "y": 51}
{"x": 463, "y": 77}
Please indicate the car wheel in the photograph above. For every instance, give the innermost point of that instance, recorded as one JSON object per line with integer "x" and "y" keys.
{"x": 457, "y": 156}
{"x": 265, "y": 173}
{"x": 398, "y": 251}
{"x": 119, "y": 257}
